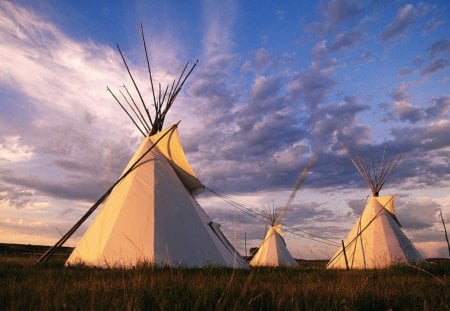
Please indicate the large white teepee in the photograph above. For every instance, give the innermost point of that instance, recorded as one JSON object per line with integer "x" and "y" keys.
{"x": 376, "y": 239}
{"x": 152, "y": 216}
{"x": 149, "y": 214}
{"x": 273, "y": 250}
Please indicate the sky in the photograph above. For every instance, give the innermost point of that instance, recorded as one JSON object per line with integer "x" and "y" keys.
{"x": 276, "y": 83}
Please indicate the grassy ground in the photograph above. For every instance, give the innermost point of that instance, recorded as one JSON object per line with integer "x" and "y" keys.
{"x": 309, "y": 287}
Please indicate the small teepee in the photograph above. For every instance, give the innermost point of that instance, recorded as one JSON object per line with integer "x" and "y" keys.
{"x": 273, "y": 250}
{"x": 376, "y": 239}
{"x": 150, "y": 215}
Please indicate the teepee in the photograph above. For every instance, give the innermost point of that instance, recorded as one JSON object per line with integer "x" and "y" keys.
{"x": 376, "y": 239}
{"x": 150, "y": 215}
{"x": 273, "y": 250}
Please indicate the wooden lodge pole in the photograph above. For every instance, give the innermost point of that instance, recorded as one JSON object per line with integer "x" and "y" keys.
{"x": 245, "y": 241}
{"x": 445, "y": 231}
{"x": 345, "y": 255}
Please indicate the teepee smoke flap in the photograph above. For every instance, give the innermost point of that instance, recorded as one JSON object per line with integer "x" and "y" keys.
{"x": 375, "y": 176}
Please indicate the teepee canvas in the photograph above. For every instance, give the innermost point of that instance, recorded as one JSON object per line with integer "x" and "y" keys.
{"x": 376, "y": 239}
{"x": 273, "y": 250}
{"x": 150, "y": 215}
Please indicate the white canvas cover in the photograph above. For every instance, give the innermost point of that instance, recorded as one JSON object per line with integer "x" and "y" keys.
{"x": 152, "y": 217}
{"x": 273, "y": 250}
{"x": 376, "y": 240}
{"x": 170, "y": 146}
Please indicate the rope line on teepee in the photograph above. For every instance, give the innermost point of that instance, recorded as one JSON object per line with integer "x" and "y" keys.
{"x": 264, "y": 218}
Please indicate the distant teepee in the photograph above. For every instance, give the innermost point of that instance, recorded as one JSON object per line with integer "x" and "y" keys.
{"x": 273, "y": 250}
{"x": 376, "y": 240}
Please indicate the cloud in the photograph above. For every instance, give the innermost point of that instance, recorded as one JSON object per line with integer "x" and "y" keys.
{"x": 335, "y": 125}
{"x": 17, "y": 198}
{"x": 439, "y": 109}
{"x": 69, "y": 77}
{"x": 262, "y": 59}
{"x": 403, "y": 22}
{"x": 336, "y": 12}
{"x": 346, "y": 40}
{"x": 405, "y": 111}
{"x": 21, "y": 223}
{"x": 365, "y": 57}
{"x": 262, "y": 133}
{"x": 251, "y": 140}
{"x": 408, "y": 112}
{"x": 440, "y": 46}
{"x": 219, "y": 25}
{"x": 400, "y": 94}
{"x": 419, "y": 214}
{"x": 65, "y": 124}
{"x": 313, "y": 86}
{"x": 428, "y": 137}
{"x": 266, "y": 129}
{"x": 210, "y": 87}
{"x": 62, "y": 68}
{"x": 424, "y": 150}
{"x": 81, "y": 188}
{"x": 255, "y": 158}
{"x": 320, "y": 49}
{"x": 418, "y": 61}
{"x": 280, "y": 14}
{"x": 435, "y": 66}
{"x": 340, "y": 11}
{"x": 264, "y": 88}
{"x": 433, "y": 24}
{"x": 405, "y": 71}
{"x": 12, "y": 151}
{"x": 439, "y": 53}
{"x": 307, "y": 213}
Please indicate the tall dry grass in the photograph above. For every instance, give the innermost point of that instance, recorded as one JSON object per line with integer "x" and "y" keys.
{"x": 309, "y": 287}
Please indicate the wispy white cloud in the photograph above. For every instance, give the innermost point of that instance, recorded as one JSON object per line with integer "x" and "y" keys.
{"x": 218, "y": 38}
{"x": 404, "y": 20}
{"x": 334, "y": 13}
{"x": 12, "y": 151}
{"x": 435, "y": 66}
{"x": 441, "y": 46}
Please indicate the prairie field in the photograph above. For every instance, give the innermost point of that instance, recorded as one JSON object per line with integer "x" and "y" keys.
{"x": 51, "y": 286}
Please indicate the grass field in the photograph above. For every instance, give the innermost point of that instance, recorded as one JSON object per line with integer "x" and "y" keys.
{"x": 308, "y": 287}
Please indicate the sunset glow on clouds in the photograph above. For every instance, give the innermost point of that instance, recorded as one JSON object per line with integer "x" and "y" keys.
{"x": 274, "y": 85}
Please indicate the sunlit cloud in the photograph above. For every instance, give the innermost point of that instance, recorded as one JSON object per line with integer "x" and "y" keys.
{"x": 12, "y": 151}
